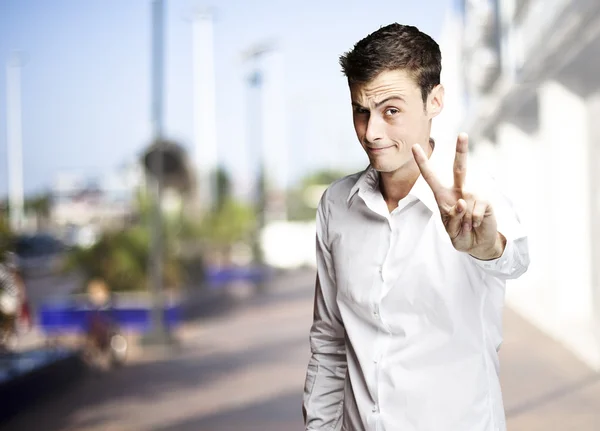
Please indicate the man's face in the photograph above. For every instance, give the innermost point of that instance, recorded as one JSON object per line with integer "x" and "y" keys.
{"x": 390, "y": 117}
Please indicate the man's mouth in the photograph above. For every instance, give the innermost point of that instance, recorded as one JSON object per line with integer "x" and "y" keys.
{"x": 377, "y": 149}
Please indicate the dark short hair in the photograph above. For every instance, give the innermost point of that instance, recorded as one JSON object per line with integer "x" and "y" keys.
{"x": 395, "y": 47}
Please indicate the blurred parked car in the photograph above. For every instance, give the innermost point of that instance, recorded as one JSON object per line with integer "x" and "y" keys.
{"x": 39, "y": 255}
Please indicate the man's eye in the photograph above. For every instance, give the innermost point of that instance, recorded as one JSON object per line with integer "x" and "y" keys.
{"x": 392, "y": 111}
{"x": 361, "y": 111}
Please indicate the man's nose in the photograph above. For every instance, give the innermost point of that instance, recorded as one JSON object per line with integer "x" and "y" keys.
{"x": 374, "y": 129}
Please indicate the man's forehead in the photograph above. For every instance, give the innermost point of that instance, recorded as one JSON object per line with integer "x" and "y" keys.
{"x": 398, "y": 82}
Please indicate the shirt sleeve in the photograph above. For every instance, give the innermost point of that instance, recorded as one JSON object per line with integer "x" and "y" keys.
{"x": 515, "y": 259}
{"x": 324, "y": 385}
{"x": 512, "y": 264}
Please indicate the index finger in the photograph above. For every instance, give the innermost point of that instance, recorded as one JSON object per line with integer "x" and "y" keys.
{"x": 460, "y": 160}
{"x": 425, "y": 169}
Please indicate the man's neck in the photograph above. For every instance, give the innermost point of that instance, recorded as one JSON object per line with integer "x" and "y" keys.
{"x": 397, "y": 185}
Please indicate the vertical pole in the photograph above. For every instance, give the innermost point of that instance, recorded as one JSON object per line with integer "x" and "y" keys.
{"x": 205, "y": 129}
{"x": 159, "y": 333}
{"x": 15, "y": 145}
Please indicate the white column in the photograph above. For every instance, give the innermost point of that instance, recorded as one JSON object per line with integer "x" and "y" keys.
{"x": 519, "y": 171}
{"x": 564, "y": 133}
{"x": 14, "y": 143}
{"x": 522, "y": 173}
{"x": 594, "y": 165}
{"x": 445, "y": 127}
{"x": 205, "y": 129}
{"x": 484, "y": 154}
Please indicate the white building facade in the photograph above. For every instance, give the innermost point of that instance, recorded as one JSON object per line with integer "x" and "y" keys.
{"x": 531, "y": 73}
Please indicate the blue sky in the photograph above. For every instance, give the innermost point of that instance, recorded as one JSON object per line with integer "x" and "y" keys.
{"x": 86, "y": 78}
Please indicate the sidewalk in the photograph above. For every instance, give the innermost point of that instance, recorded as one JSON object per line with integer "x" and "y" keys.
{"x": 545, "y": 386}
{"x": 244, "y": 370}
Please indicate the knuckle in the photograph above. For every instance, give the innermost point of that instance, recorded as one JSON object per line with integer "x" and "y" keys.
{"x": 470, "y": 196}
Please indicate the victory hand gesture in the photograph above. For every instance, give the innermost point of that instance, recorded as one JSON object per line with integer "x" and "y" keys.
{"x": 468, "y": 219}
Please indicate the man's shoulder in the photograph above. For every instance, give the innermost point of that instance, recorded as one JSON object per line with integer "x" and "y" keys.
{"x": 338, "y": 192}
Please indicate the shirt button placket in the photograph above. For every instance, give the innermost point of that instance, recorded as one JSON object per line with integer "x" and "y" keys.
{"x": 377, "y": 318}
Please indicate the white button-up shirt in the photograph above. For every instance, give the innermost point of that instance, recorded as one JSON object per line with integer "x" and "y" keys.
{"x": 406, "y": 328}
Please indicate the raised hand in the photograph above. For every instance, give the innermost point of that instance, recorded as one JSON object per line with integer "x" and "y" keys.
{"x": 469, "y": 219}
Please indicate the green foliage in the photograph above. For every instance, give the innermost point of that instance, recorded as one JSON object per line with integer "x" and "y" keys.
{"x": 39, "y": 204}
{"x": 223, "y": 183}
{"x": 6, "y": 236}
{"x": 231, "y": 223}
{"x": 322, "y": 177}
{"x": 228, "y": 222}
{"x": 121, "y": 260}
{"x": 298, "y": 209}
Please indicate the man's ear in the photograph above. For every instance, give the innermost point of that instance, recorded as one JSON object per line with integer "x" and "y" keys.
{"x": 435, "y": 101}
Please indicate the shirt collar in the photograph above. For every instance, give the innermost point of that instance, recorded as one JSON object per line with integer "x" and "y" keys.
{"x": 369, "y": 181}
{"x": 423, "y": 192}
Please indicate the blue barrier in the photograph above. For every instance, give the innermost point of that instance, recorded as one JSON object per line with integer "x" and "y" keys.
{"x": 218, "y": 277}
{"x": 55, "y": 318}
{"x": 69, "y": 314}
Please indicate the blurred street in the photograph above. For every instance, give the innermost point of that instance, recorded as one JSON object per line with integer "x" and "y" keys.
{"x": 154, "y": 147}
{"x": 244, "y": 370}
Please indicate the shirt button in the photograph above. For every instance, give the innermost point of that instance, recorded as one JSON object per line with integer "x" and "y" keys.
{"x": 375, "y": 409}
{"x": 380, "y": 270}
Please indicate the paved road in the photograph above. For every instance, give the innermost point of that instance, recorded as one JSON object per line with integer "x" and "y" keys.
{"x": 244, "y": 370}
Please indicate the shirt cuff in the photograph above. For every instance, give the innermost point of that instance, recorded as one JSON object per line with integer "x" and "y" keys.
{"x": 504, "y": 265}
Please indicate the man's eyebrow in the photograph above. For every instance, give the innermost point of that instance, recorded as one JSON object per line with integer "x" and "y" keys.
{"x": 387, "y": 99}
{"x": 378, "y": 104}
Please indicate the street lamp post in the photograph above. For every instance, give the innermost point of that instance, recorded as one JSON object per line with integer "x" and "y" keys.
{"x": 255, "y": 81}
{"x": 159, "y": 333}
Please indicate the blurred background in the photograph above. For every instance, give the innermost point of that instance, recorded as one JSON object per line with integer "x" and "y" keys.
{"x": 161, "y": 164}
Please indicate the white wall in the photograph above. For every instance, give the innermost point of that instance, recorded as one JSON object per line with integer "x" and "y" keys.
{"x": 547, "y": 175}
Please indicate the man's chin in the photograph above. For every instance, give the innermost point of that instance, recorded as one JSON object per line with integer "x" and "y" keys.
{"x": 385, "y": 167}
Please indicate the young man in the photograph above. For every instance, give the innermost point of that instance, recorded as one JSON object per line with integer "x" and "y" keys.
{"x": 411, "y": 273}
